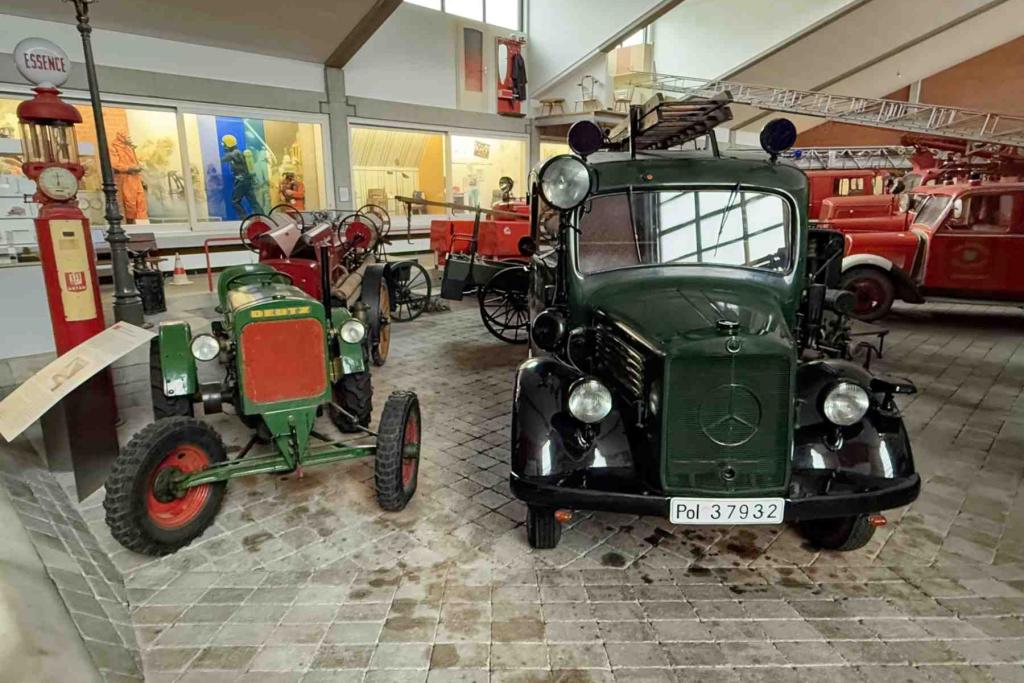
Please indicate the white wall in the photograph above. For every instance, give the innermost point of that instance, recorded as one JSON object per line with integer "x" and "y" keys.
{"x": 411, "y": 58}
{"x": 709, "y": 38}
{"x": 132, "y": 51}
{"x": 563, "y": 32}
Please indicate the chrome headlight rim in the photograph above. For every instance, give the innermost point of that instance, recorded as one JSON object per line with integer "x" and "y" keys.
{"x": 204, "y": 347}
{"x": 589, "y": 401}
{"x": 352, "y": 331}
{"x": 576, "y": 198}
{"x": 846, "y": 403}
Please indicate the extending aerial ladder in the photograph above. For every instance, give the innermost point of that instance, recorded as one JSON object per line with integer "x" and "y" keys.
{"x": 987, "y": 128}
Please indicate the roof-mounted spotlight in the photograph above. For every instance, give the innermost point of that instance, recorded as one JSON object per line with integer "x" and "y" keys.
{"x": 585, "y": 138}
{"x": 777, "y": 136}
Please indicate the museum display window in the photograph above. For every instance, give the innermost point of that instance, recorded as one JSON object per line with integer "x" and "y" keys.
{"x": 242, "y": 165}
{"x": 152, "y": 146}
{"x": 388, "y": 163}
{"x": 478, "y": 163}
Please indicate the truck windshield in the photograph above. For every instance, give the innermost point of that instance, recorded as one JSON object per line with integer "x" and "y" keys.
{"x": 685, "y": 227}
{"x": 932, "y": 209}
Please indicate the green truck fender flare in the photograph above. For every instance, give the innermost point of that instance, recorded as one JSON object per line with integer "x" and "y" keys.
{"x": 352, "y": 356}
{"x": 177, "y": 364}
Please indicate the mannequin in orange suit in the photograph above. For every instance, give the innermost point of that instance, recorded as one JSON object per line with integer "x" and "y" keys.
{"x": 128, "y": 175}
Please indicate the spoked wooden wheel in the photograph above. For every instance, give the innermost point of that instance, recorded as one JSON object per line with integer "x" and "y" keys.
{"x": 382, "y": 344}
{"x": 410, "y": 287}
{"x": 504, "y": 306}
{"x": 144, "y": 510}
{"x": 396, "y": 465}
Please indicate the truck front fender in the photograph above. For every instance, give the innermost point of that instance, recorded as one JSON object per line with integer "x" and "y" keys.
{"x": 177, "y": 364}
{"x": 877, "y": 446}
{"x": 906, "y": 288}
{"x": 546, "y": 438}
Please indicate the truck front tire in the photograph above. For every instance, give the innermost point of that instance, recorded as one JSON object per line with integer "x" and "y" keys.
{"x": 874, "y": 290}
{"x": 841, "y": 534}
{"x": 543, "y": 531}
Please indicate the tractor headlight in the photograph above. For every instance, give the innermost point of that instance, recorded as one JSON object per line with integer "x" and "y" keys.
{"x": 846, "y": 403}
{"x": 353, "y": 331}
{"x": 590, "y": 401}
{"x": 205, "y": 347}
{"x": 565, "y": 182}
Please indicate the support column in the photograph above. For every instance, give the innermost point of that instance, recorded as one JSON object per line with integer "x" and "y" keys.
{"x": 338, "y": 110}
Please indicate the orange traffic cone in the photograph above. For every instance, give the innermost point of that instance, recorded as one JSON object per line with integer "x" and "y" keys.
{"x": 180, "y": 276}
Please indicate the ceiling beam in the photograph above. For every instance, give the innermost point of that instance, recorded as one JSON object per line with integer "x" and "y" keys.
{"x": 357, "y": 37}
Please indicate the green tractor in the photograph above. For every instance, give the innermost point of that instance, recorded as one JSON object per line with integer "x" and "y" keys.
{"x": 287, "y": 358}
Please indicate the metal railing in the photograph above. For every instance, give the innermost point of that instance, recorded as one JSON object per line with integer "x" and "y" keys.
{"x": 953, "y": 122}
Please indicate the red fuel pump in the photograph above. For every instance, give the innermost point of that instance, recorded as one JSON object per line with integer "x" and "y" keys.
{"x": 80, "y": 431}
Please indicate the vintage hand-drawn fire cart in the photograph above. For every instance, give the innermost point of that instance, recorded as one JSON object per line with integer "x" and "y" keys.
{"x": 482, "y": 255}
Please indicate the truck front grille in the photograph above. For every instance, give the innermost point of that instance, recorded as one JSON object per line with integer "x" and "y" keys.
{"x": 619, "y": 362}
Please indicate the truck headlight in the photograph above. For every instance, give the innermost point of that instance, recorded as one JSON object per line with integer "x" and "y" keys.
{"x": 590, "y": 401}
{"x": 846, "y": 403}
{"x": 565, "y": 182}
{"x": 205, "y": 347}
{"x": 353, "y": 331}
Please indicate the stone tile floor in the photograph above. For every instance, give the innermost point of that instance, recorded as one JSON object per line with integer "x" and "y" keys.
{"x": 304, "y": 579}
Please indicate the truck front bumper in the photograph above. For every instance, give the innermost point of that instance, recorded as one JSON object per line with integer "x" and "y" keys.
{"x": 879, "y": 495}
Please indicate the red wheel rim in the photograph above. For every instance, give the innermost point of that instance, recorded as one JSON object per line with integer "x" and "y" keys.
{"x": 180, "y": 511}
{"x": 869, "y": 295}
{"x": 411, "y": 450}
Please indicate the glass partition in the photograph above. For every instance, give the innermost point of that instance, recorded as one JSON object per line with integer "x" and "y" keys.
{"x": 389, "y": 163}
{"x": 478, "y": 163}
{"x": 241, "y": 166}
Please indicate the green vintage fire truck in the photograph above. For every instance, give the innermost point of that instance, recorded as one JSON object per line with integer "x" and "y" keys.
{"x": 285, "y": 358}
{"x": 690, "y": 358}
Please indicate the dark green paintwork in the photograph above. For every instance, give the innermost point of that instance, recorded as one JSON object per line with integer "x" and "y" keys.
{"x": 674, "y": 310}
{"x": 176, "y": 360}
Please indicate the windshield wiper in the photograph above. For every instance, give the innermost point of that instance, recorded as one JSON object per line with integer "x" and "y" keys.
{"x": 725, "y": 215}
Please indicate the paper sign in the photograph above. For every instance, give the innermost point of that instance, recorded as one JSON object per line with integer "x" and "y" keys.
{"x": 43, "y": 390}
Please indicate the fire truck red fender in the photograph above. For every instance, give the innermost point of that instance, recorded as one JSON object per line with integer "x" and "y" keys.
{"x": 905, "y": 287}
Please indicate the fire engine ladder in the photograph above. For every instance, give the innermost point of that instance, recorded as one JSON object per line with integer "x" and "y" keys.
{"x": 660, "y": 123}
{"x": 966, "y": 124}
{"x": 810, "y": 158}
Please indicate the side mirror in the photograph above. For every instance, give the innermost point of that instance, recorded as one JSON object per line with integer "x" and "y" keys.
{"x": 527, "y": 246}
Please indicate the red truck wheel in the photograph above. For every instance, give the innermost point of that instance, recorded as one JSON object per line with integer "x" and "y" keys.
{"x": 874, "y": 292}
{"x": 143, "y": 511}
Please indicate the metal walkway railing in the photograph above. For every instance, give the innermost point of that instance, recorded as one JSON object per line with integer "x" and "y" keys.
{"x": 953, "y": 122}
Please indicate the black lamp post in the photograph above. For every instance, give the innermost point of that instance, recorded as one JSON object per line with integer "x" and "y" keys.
{"x": 127, "y": 302}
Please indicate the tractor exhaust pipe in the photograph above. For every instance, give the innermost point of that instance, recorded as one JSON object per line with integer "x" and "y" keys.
{"x": 325, "y": 280}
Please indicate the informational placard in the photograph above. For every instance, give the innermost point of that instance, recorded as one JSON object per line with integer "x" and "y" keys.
{"x": 41, "y": 62}
{"x": 43, "y": 390}
{"x": 71, "y": 258}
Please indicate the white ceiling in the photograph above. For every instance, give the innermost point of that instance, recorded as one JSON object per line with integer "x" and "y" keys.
{"x": 308, "y": 30}
{"x": 879, "y": 47}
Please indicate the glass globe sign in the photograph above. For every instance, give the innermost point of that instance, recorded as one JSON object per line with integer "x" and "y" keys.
{"x": 47, "y": 123}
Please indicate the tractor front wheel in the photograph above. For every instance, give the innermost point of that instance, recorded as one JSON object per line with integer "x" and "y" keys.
{"x": 143, "y": 511}
{"x": 354, "y": 393}
{"x": 396, "y": 466}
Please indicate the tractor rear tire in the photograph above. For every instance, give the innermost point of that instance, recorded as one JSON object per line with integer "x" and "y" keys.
{"x": 543, "y": 531}
{"x": 874, "y": 291}
{"x": 354, "y": 393}
{"x": 163, "y": 405}
{"x": 143, "y": 518}
{"x": 840, "y": 533}
{"x": 396, "y": 466}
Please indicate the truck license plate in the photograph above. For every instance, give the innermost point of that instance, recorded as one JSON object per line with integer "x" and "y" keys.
{"x": 726, "y": 510}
